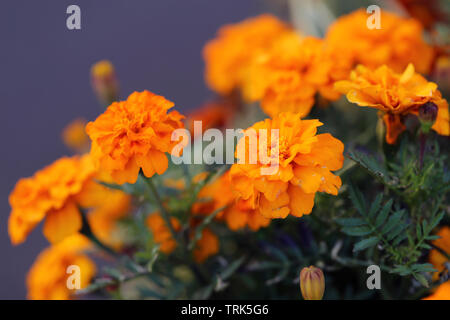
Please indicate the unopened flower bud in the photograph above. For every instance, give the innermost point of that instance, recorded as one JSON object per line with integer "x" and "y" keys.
{"x": 427, "y": 115}
{"x": 312, "y": 283}
{"x": 75, "y": 137}
{"x": 104, "y": 82}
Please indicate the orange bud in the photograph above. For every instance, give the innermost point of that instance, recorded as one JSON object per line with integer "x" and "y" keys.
{"x": 75, "y": 137}
{"x": 104, "y": 82}
{"x": 312, "y": 283}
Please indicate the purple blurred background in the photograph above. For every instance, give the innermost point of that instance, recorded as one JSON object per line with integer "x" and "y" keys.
{"x": 44, "y": 79}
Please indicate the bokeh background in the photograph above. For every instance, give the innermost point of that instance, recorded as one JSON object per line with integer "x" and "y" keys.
{"x": 44, "y": 80}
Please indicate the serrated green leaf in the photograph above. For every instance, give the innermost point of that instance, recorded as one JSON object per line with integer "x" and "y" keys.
{"x": 357, "y": 200}
{"x": 402, "y": 270}
{"x": 423, "y": 267}
{"x": 418, "y": 231}
{"x": 399, "y": 239}
{"x": 425, "y": 246}
{"x": 381, "y": 218}
{"x": 351, "y": 222}
{"x": 425, "y": 227}
{"x": 370, "y": 164}
{"x": 392, "y": 222}
{"x": 421, "y": 279}
{"x": 357, "y": 231}
{"x": 366, "y": 243}
{"x": 396, "y": 231}
{"x": 375, "y": 206}
{"x": 436, "y": 220}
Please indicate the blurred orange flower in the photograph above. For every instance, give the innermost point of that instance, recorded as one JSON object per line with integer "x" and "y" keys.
{"x": 236, "y": 45}
{"x": 75, "y": 137}
{"x": 51, "y": 194}
{"x": 213, "y": 196}
{"x": 303, "y": 166}
{"x": 289, "y": 75}
{"x": 134, "y": 134}
{"x": 436, "y": 258}
{"x": 442, "y": 292}
{"x": 206, "y": 246}
{"x": 280, "y": 77}
{"x": 161, "y": 233}
{"x": 395, "y": 95}
{"x": 47, "y": 278}
{"x": 237, "y": 214}
{"x": 397, "y": 43}
{"x": 241, "y": 215}
{"x": 428, "y": 12}
{"x": 107, "y": 206}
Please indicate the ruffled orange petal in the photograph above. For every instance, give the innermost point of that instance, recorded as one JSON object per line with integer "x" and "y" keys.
{"x": 300, "y": 202}
{"x": 62, "y": 223}
{"x": 128, "y": 175}
{"x": 442, "y": 123}
{"x": 328, "y": 152}
{"x": 277, "y": 208}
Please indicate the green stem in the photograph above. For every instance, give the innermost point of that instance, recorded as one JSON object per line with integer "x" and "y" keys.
{"x": 165, "y": 215}
{"x": 87, "y": 231}
{"x": 423, "y": 141}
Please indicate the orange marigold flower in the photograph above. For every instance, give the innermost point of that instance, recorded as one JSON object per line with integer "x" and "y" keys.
{"x": 107, "y": 206}
{"x": 441, "y": 293}
{"x": 436, "y": 258}
{"x": 237, "y": 214}
{"x": 75, "y": 137}
{"x": 236, "y": 45}
{"x": 280, "y": 77}
{"x": 161, "y": 233}
{"x": 289, "y": 75}
{"x": 395, "y": 95}
{"x": 47, "y": 278}
{"x": 206, "y": 246}
{"x": 301, "y": 167}
{"x": 397, "y": 43}
{"x": 241, "y": 215}
{"x": 51, "y": 194}
{"x": 134, "y": 134}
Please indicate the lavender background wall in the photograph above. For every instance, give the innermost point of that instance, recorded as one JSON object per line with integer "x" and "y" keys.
{"x": 44, "y": 80}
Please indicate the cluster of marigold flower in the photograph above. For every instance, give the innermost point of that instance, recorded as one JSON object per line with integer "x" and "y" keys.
{"x": 260, "y": 59}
